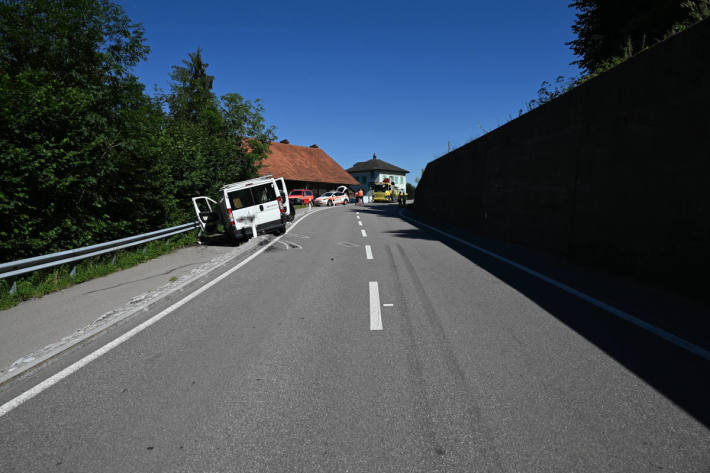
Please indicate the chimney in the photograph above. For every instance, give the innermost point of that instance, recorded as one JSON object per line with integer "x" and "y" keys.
{"x": 286, "y": 142}
{"x": 314, "y": 146}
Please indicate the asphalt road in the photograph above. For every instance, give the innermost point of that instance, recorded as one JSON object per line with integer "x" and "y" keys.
{"x": 282, "y": 366}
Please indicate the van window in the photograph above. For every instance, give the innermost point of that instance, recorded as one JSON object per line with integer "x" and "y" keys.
{"x": 263, "y": 193}
{"x": 252, "y": 196}
{"x": 240, "y": 199}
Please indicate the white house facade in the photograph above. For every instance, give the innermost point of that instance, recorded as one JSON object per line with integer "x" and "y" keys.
{"x": 376, "y": 170}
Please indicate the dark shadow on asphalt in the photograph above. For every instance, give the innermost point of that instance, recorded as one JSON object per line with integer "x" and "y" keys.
{"x": 681, "y": 376}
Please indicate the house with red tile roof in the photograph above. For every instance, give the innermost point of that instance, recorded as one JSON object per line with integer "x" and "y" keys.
{"x": 305, "y": 167}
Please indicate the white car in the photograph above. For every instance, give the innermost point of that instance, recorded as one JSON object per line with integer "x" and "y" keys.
{"x": 331, "y": 198}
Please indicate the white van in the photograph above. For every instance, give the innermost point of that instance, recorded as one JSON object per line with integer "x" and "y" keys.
{"x": 259, "y": 203}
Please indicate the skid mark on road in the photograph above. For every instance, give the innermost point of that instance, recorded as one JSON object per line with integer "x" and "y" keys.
{"x": 430, "y": 355}
{"x": 347, "y": 244}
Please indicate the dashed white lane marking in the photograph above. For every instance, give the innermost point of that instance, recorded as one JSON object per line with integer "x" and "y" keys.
{"x": 375, "y": 314}
{"x": 676, "y": 340}
{"x": 52, "y": 380}
{"x": 359, "y": 223}
{"x": 358, "y": 217}
{"x": 364, "y": 233}
{"x": 387, "y": 305}
{"x": 368, "y": 251}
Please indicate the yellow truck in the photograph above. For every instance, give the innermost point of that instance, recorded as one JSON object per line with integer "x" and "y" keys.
{"x": 384, "y": 191}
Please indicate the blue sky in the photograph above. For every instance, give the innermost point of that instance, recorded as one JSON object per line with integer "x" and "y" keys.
{"x": 400, "y": 79}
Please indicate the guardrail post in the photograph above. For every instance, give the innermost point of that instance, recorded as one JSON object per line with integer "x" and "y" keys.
{"x": 13, "y": 289}
{"x": 113, "y": 260}
{"x": 144, "y": 248}
{"x": 72, "y": 273}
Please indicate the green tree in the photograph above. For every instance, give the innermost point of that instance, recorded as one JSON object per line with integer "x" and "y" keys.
{"x": 607, "y": 30}
{"x": 411, "y": 190}
{"x": 77, "y": 133}
{"x": 208, "y": 142}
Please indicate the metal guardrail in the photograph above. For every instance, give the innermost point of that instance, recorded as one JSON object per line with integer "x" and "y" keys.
{"x": 28, "y": 265}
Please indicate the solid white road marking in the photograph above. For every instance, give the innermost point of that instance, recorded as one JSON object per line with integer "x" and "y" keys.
{"x": 295, "y": 245}
{"x": 676, "y": 340}
{"x": 359, "y": 223}
{"x": 387, "y": 305}
{"x": 375, "y": 314}
{"x": 364, "y": 233}
{"x": 368, "y": 251}
{"x": 51, "y": 381}
{"x": 284, "y": 244}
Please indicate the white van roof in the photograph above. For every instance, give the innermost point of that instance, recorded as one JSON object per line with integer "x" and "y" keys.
{"x": 248, "y": 182}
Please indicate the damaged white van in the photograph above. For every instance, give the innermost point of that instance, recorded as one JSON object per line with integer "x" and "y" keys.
{"x": 258, "y": 203}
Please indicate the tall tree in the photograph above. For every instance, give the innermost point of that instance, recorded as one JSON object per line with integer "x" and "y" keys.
{"x": 76, "y": 129}
{"x": 607, "y": 29}
{"x": 209, "y": 142}
{"x": 192, "y": 99}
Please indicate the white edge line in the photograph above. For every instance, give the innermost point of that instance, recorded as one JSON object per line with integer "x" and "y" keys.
{"x": 368, "y": 251}
{"x": 676, "y": 340}
{"x": 375, "y": 313}
{"x": 54, "y": 379}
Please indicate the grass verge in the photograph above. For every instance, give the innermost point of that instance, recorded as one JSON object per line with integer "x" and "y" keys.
{"x": 43, "y": 282}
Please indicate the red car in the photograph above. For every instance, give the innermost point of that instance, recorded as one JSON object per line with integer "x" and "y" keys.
{"x": 300, "y": 197}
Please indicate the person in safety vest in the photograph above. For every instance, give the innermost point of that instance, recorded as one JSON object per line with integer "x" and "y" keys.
{"x": 360, "y": 196}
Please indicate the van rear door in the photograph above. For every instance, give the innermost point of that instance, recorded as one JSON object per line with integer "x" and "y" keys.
{"x": 284, "y": 195}
{"x": 257, "y": 201}
{"x": 207, "y": 216}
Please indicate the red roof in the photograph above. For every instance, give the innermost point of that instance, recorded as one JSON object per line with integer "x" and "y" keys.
{"x": 303, "y": 163}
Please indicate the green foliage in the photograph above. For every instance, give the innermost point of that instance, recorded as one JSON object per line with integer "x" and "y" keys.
{"x": 609, "y": 33}
{"x": 548, "y": 92}
{"x": 608, "y": 30}
{"x": 76, "y": 131}
{"x": 208, "y": 142}
{"x": 86, "y": 156}
{"x": 411, "y": 190}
